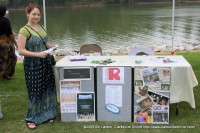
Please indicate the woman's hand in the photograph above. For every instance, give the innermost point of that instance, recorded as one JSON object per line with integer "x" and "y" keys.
{"x": 42, "y": 54}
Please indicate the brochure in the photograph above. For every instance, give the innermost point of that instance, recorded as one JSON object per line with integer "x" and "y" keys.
{"x": 150, "y": 75}
{"x": 85, "y": 106}
{"x": 160, "y": 114}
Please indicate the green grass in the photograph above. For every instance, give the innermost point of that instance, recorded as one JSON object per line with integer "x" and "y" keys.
{"x": 13, "y": 96}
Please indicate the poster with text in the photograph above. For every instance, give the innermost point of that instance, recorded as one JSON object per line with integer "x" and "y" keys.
{"x": 85, "y": 106}
{"x": 68, "y": 90}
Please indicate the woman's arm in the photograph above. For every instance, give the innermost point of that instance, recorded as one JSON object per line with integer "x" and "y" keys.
{"x": 24, "y": 52}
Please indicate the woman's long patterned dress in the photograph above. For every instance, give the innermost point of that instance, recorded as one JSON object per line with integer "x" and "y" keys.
{"x": 40, "y": 83}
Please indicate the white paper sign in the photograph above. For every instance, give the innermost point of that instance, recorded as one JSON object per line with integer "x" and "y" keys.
{"x": 114, "y": 95}
{"x": 68, "y": 91}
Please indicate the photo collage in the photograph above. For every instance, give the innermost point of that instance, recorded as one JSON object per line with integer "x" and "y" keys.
{"x": 151, "y": 94}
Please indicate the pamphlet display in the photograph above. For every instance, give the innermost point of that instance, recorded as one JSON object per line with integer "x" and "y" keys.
{"x": 151, "y": 94}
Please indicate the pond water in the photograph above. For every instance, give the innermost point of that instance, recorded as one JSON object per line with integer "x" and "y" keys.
{"x": 115, "y": 27}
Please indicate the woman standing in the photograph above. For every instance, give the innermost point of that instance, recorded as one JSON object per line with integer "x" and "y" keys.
{"x": 8, "y": 58}
{"x": 32, "y": 42}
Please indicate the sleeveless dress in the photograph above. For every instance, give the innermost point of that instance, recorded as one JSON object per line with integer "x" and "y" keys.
{"x": 39, "y": 79}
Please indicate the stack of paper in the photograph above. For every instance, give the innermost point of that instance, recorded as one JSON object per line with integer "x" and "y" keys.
{"x": 77, "y": 58}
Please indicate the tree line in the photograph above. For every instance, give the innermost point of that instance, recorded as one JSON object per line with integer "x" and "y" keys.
{"x": 22, "y": 3}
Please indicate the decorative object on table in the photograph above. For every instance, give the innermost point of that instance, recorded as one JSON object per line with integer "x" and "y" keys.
{"x": 172, "y": 52}
{"x": 168, "y": 60}
{"x": 165, "y": 60}
{"x": 103, "y": 62}
{"x": 77, "y": 58}
{"x": 138, "y": 61}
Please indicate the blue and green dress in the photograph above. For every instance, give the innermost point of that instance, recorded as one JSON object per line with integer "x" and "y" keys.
{"x": 39, "y": 78}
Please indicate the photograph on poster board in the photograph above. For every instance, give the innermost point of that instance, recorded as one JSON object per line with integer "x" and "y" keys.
{"x": 155, "y": 87}
{"x": 164, "y": 74}
{"x": 150, "y": 75}
{"x": 85, "y": 106}
{"x": 141, "y": 90}
{"x": 144, "y": 102}
{"x": 141, "y": 116}
{"x": 158, "y": 98}
{"x": 68, "y": 90}
{"x": 138, "y": 83}
{"x": 137, "y": 73}
{"x": 165, "y": 87}
{"x": 160, "y": 114}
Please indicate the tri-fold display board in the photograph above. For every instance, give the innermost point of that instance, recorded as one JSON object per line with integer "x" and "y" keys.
{"x": 121, "y": 93}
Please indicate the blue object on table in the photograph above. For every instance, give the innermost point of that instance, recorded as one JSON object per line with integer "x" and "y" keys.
{"x": 138, "y": 61}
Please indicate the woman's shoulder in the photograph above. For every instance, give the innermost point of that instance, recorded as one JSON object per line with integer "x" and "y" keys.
{"x": 23, "y": 30}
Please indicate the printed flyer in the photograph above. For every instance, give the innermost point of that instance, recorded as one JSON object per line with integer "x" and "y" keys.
{"x": 85, "y": 106}
{"x": 68, "y": 90}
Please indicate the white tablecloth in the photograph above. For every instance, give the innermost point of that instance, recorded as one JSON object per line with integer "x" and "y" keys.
{"x": 183, "y": 78}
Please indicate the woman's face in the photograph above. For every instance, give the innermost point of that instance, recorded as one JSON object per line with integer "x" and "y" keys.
{"x": 34, "y": 16}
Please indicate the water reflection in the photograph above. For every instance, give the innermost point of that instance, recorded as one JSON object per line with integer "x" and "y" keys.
{"x": 113, "y": 27}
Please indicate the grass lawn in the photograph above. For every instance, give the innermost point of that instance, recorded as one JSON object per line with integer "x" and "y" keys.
{"x": 14, "y": 100}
